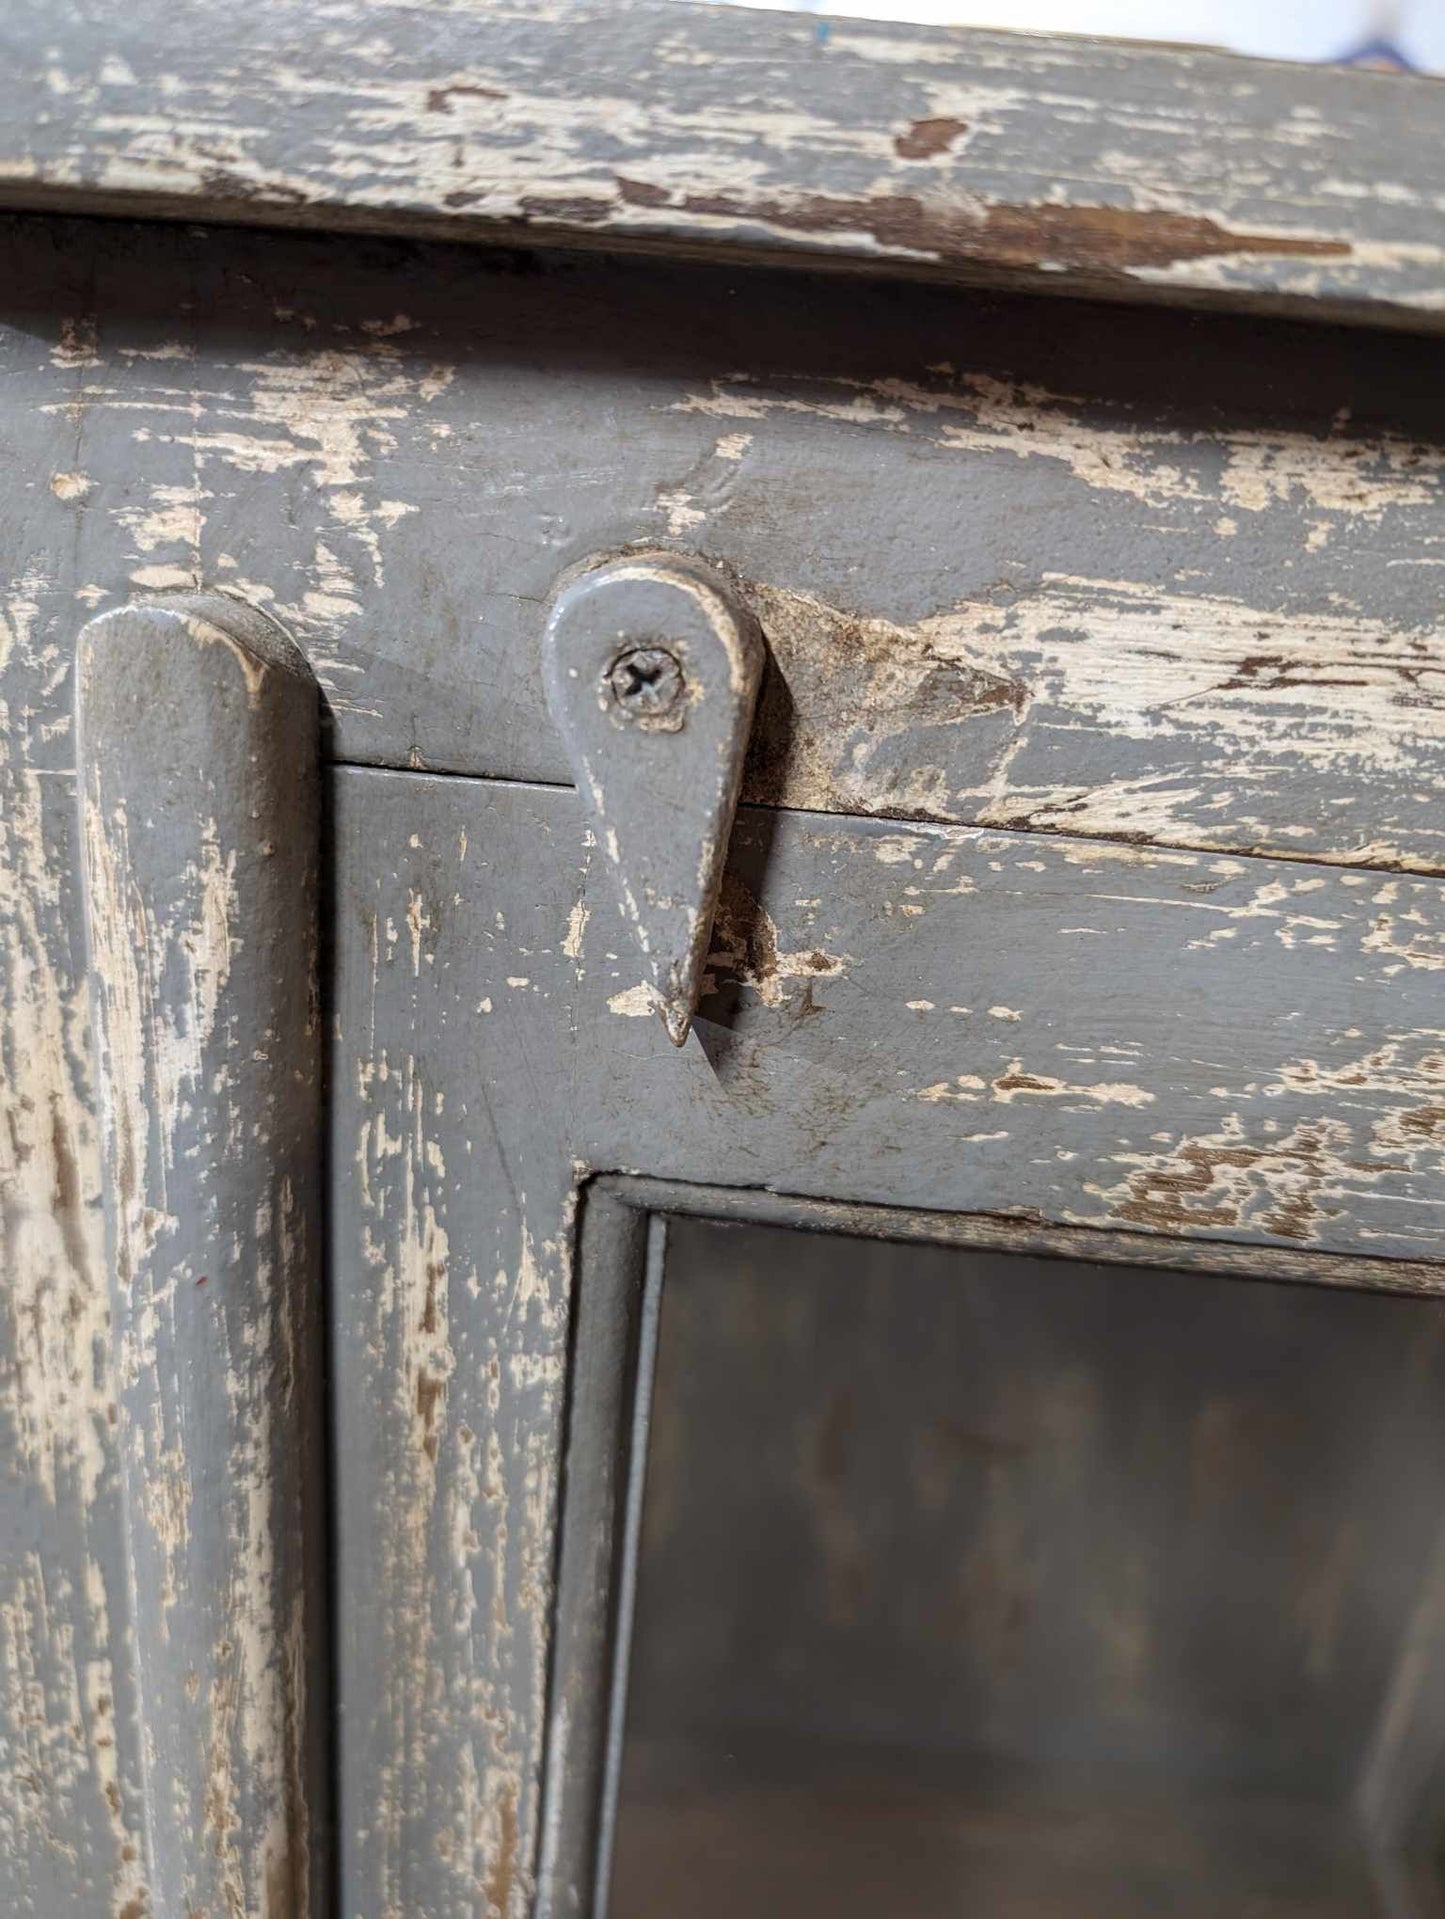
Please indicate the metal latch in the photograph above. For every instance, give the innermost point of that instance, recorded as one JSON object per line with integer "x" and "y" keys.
{"x": 652, "y": 667}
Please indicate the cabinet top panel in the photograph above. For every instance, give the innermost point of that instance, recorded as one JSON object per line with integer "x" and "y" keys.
{"x": 1132, "y": 172}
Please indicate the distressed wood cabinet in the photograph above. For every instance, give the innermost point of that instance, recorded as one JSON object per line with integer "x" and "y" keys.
{"x": 1066, "y": 420}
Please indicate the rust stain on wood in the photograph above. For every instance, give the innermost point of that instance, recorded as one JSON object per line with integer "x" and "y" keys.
{"x": 439, "y": 99}
{"x": 502, "y": 1878}
{"x": 1106, "y": 241}
{"x": 926, "y": 138}
{"x": 746, "y": 950}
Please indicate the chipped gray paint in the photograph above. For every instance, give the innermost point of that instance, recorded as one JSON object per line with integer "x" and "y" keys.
{"x": 1006, "y": 572}
{"x": 1178, "y": 1044}
{"x": 1059, "y": 164}
{"x": 70, "y": 1801}
{"x": 198, "y": 737}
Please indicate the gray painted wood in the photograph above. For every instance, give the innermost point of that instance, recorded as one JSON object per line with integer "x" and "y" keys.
{"x": 1183, "y": 1044}
{"x": 1009, "y": 1233}
{"x": 1143, "y": 172}
{"x": 71, "y": 1822}
{"x": 1053, "y": 584}
{"x": 1008, "y": 571}
{"x": 198, "y": 738}
{"x": 601, "y": 1470}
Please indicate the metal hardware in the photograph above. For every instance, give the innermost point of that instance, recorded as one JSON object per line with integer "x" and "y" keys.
{"x": 647, "y": 683}
{"x": 652, "y": 668}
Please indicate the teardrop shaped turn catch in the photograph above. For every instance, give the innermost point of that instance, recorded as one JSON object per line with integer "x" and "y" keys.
{"x": 652, "y": 667}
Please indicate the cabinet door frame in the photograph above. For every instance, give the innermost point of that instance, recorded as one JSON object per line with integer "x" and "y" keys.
{"x": 617, "y": 1307}
{"x": 923, "y": 1031}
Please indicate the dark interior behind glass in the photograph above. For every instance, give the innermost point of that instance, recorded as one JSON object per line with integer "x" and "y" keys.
{"x": 982, "y": 1584}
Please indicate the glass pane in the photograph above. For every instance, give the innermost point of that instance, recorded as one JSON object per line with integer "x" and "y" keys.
{"x": 987, "y": 1585}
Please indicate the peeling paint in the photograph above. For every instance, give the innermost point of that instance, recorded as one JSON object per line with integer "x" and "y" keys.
{"x": 905, "y": 145}
{"x": 746, "y": 951}
{"x": 1243, "y": 469}
{"x": 1225, "y": 709}
{"x": 1223, "y": 1181}
{"x": 202, "y": 946}
{"x": 63, "y": 1758}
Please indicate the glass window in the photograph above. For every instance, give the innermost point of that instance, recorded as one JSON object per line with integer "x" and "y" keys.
{"x": 1010, "y": 1587}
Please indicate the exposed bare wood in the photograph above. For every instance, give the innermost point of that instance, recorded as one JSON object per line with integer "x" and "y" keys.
{"x": 1108, "y": 1040}
{"x": 1008, "y": 573}
{"x": 1061, "y": 164}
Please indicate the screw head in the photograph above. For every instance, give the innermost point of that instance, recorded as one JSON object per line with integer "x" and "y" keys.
{"x": 646, "y": 683}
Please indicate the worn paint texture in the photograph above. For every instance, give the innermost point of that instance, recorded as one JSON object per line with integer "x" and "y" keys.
{"x": 200, "y": 815}
{"x": 70, "y": 1802}
{"x": 1012, "y": 576}
{"x": 1007, "y": 573}
{"x": 448, "y": 1322}
{"x": 1247, "y": 1050}
{"x": 1059, "y": 164}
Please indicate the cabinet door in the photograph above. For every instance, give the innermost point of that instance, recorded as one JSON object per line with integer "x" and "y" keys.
{"x": 1021, "y": 1044}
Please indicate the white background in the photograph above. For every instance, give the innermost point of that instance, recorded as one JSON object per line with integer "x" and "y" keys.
{"x": 1277, "y": 29}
